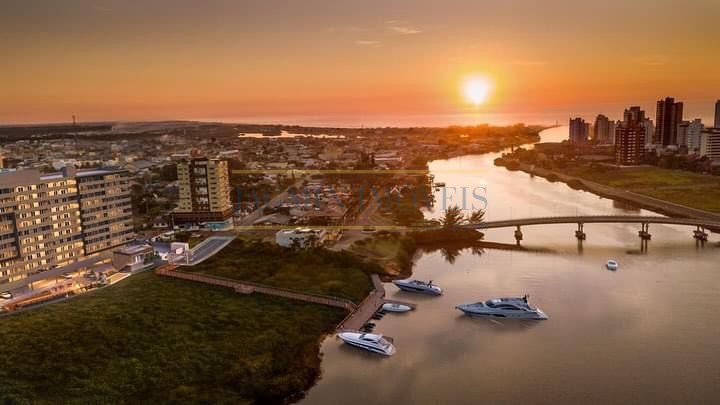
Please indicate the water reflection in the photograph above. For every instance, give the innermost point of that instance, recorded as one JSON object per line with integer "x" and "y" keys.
{"x": 625, "y": 336}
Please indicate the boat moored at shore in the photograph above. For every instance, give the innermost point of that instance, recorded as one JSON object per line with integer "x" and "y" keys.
{"x": 375, "y": 343}
{"x": 418, "y": 286}
{"x": 394, "y": 307}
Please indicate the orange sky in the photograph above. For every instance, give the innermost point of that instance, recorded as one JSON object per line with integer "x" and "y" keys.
{"x": 163, "y": 59}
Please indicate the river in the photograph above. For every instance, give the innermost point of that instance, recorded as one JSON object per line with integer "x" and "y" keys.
{"x": 647, "y": 333}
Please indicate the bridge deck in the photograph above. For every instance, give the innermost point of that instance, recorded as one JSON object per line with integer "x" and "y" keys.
{"x": 596, "y": 219}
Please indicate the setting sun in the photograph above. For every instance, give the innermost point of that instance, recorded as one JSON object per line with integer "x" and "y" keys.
{"x": 477, "y": 90}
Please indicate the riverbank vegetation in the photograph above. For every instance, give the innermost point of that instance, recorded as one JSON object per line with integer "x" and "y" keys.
{"x": 157, "y": 340}
{"x": 395, "y": 251}
{"x": 694, "y": 190}
{"x": 313, "y": 270}
{"x": 676, "y": 186}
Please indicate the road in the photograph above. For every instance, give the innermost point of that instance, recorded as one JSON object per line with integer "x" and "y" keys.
{"x": 275, "y": 201}
{"x": 208, "y": 248}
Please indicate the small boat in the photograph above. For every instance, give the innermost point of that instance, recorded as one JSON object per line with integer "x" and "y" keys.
{"x": 611, "y": 265}
{"x": 372, "y": 342}
{"x": 393, "y": 307}
{"x": 418, "y": 286}
{"x": 514, "y": 307}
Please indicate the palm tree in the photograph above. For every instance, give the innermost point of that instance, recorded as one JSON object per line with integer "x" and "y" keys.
{"x": 476, "y": 217}
{"x": 453, "y": 217}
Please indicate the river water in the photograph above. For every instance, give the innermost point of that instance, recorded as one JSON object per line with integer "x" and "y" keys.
{"x": 647, "y": 333}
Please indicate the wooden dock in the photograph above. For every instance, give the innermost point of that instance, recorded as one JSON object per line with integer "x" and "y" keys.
{"x": 358, "y": 315}
{"x": 370, "y": 305}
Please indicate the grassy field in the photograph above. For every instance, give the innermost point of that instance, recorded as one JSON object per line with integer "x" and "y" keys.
{"x": 318, "y": 271}
{"x": 680, "y": 187}
{"x": 393, "y": 252}
{"x": 152, "y": 339}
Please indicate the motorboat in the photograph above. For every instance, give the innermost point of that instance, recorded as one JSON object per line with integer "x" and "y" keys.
{"x": 393, "y": 307}
{"x": 611, "y": 265}
{"x": 372, "y": 342}
{"x": 514, "y": 307}
{"x": 418, "y": 286}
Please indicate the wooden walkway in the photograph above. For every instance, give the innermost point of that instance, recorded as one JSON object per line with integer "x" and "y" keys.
{"x": 358, "y": 316}
{"x": 245, "y": 287}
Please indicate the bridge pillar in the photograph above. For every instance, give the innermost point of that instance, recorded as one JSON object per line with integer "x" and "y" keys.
{"x": 700, "y": 234}
{"x": 518, "y": 235}
{"x": 644, "y": 234}
{"x": 580, "y": 233}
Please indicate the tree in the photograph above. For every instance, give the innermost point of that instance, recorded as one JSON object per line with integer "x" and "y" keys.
{"x": 453, "y": 217}
{"x": 476, "y": 217}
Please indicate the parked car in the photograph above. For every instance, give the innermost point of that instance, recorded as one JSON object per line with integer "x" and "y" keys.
{"x": 66, "y": 275}
{"x": 7, "y": 295}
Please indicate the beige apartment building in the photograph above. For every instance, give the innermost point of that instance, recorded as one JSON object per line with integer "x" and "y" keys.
{"x": 204, "y": 193}
{"x": 50, "y": 221}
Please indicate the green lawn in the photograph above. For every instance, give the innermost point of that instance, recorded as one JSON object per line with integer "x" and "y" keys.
{"x": 319, "y": 271}
{"x": 677, "y": 186}
{"x": 154, "y": 340}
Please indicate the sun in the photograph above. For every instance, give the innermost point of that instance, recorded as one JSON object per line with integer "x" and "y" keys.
{"x": 477, "y": 90}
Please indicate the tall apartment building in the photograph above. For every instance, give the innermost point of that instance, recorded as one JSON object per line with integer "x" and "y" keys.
{"x": 44, "y": 226}
{"x": 710, "y": 143}
{"x": 694, "y": 133}
{"x": 604, "y": 130}
{"x": 669, "y": 115}
{"x": 649, "y": 131}
{"x": 204, "y": 193}
{"x": 717, "y": 114}
{"x": 682, "y": 133}
{"x": 105, "y": 208}
{"x": 579, "y": 130}
{"x": 634, "y": 114}
{"x": 630, "y": 138}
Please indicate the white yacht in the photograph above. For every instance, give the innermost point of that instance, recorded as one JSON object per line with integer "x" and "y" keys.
{"x": 612, "y": 265}
{"x": 418, "y": 286}
{"x": 369, "y": 341}
{"x": 394, "y": 307}
{"x": 514, "y": 307}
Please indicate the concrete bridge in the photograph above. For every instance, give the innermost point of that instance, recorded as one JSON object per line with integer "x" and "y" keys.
{"x": 701, "y": 225}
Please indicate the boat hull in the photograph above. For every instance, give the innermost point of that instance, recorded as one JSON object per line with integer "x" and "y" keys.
{"x": 396, "y": 308}
{"x": 368, "y": 346}
{"x": 534, "y": 316}
{"x": 418, "y": 290}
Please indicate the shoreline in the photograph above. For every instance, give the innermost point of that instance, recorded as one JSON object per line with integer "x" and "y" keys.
{"x": 641, "y": 201}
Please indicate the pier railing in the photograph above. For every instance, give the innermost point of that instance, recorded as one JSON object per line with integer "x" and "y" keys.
{"x": 246, "y": 287}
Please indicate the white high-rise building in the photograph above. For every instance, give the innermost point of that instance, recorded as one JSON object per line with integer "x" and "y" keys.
{"x": 710, "y": 143}
{"x": 682, "y": 130}
{"x": 603, "y": 130}
{"x": 649, "y": 130}
{"x": 694, "y": 135}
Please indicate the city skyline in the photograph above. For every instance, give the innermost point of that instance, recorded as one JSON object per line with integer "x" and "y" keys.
{"x": 355, "y": 63}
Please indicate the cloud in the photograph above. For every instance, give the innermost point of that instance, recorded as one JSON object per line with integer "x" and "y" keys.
{"x": 402, "y": 27}
{"x": 365, "y": 42}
